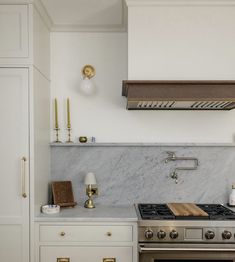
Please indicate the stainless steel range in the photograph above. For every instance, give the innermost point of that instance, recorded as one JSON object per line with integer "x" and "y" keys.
{"x": 166, "y": 236}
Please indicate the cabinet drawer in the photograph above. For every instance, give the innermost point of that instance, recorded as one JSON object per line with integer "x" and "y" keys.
{"x": 85, "y": 233}
{"x": 85, "y": 254}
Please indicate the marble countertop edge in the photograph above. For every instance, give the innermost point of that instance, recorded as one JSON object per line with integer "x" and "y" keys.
{"x": 98, "y": 214}
{"x": 142, "y": 144}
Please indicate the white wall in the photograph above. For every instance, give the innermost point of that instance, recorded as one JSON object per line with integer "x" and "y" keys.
{"x": 104, "y": 115}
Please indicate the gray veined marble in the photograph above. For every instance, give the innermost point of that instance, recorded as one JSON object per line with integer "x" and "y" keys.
{"x": 134, "y": 174}
{"x": 99, "y": 214}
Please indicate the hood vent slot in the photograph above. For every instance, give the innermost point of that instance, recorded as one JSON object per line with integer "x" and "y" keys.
{"x": 176, "y": 95}
{"x": 216, "y": 105}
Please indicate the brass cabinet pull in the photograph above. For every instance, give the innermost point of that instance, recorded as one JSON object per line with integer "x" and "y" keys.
{"x": 23, "y": 176}
{"x": 62, "y": 234}
{"x": 109, "y": 259}
{"x": 109, "y": 234}
{"x": 63, "y": 259}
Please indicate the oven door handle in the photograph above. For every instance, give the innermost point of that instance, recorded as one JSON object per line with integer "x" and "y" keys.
{"x": 152, "y": 249}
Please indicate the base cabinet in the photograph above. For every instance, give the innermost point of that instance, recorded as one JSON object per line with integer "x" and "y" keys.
{"x": 86, "y": 242}
{"x": 88, "y": 254}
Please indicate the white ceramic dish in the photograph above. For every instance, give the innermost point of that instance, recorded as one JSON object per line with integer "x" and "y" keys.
{"x": 50, "y": 209}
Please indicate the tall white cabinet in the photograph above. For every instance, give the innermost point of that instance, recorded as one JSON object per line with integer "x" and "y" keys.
{"x": 25, "y": 124}
{"x": 14, "y": 168}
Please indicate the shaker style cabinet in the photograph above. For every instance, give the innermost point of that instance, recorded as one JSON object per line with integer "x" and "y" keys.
{"x": 86, "y": 241}
{"x": 14, "y": 168}
{"x": 25, "y": 125}
{"x": 14, "y": 31}
{"x": 88, "y": 254}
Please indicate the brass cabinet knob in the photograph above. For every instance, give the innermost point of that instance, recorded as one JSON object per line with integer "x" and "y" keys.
{"x": 24, "y": 195}
{"x": 62, "y": 234}
{"x": 109, "y": 234}
{"x": 109, "y": 259}
{"x": 63, "y": 259}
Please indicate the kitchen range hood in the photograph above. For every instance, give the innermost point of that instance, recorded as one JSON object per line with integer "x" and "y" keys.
{"x": 176, "y": 39}
{"x": 179, "y": 95}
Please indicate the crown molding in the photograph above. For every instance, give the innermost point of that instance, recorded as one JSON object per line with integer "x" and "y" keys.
{"x": 180, "y": 3}
{"x": 86, "y": 28}
{"x": 38, "y": 4}
{"x": 43, "y": 12}
{"x": 13, "y": 2}
{"x": 122, "y": 27}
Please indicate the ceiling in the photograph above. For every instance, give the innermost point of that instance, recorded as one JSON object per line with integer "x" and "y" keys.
{"x": 86, "y": 15}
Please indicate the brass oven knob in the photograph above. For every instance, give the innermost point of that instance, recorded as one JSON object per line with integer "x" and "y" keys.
{"x": 209, "y": 234}
{"x": 161, "y": 234}
{"x": 148, "y": 233}
{"x": 174, "y": 234}
{"x": 226, "y": 234}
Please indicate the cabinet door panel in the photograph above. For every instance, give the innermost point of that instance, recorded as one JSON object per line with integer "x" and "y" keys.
{"x": 14, "y": 31}
{"x": 11, "y": 246}
{"x": 14, "y": 141}
{"x": 87, "y": 254}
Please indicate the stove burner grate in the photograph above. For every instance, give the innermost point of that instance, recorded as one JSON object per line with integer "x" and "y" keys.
{"x": 217, "y": 211}
{"x": 163, "y": 212}
{"x": 155, "y": 211}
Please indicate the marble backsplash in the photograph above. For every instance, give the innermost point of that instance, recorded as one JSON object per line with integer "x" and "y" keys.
{"x": 128, "y": 174}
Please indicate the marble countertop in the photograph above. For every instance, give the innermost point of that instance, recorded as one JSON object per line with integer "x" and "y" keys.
{"x": 98, "y": 214}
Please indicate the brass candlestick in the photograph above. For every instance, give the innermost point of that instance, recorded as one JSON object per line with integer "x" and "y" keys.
{"x": 57, "y": 135}
{"x": 56, "y": 123}
{"x": 69, "y": 135}
{"x": 68, "y": 122}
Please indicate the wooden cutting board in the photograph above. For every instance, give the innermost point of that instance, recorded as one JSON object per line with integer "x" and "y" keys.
{"x": 186, "y": 210}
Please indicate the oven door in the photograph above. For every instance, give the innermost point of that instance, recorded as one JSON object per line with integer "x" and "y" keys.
{"x": 186, "y": 253}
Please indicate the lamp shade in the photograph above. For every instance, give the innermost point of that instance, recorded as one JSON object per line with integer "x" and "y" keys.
{"x": 90, "y": 179}
{"x": 87, "y": 86}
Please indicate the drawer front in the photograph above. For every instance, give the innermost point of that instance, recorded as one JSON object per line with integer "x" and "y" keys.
{"x": 85, "y": 254}
{"x": 85, "y": 233}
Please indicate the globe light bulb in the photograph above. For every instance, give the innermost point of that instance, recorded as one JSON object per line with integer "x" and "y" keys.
{"x": 87, "y": 86}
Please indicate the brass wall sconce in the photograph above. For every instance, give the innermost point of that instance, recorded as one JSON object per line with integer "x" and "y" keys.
{"x": 87, "y": 85}
{"x": 91, "y": 189}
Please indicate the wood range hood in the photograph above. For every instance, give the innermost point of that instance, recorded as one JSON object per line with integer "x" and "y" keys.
{"x": 179, "y": 95}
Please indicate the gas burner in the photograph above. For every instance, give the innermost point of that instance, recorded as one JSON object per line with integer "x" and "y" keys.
{"x": 217, "y": 211}
{"x": 155, "y": 211}
{"x": 163, "y": 212}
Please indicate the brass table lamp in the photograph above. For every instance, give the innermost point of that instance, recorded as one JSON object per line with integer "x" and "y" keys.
{"x": 91, "y": 189}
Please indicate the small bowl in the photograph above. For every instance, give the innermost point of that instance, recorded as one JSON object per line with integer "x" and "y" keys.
{"x": 82, "y": 139}
{"x": 50, "y": 209}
